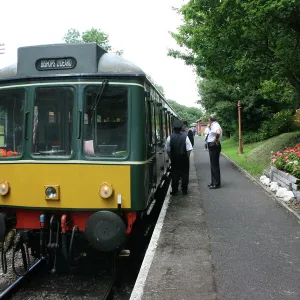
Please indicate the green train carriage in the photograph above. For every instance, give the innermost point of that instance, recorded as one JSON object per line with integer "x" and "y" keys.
{"x": 82, "y": 135}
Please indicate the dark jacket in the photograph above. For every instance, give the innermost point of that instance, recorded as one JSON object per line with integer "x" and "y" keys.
{"x": 190, "y": 135}
{"x": 177, "y": 145}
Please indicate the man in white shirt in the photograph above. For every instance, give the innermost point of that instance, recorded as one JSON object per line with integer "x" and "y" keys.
{"x": 179, "y": 147}
{"x": 214, "y": 148}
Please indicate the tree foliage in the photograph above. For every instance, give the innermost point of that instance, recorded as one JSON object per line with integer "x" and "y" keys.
{"x": 93, "y": 35}
{"x": 190, "y": 114}
{"x": 243, "y": 49}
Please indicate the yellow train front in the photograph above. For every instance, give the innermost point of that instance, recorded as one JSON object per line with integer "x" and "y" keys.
{"x": 82, "y": 136}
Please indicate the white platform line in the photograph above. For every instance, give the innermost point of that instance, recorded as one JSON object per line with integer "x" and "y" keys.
{"x": 138, "y": 289}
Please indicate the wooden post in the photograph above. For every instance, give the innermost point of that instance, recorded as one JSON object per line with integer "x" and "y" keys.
{"x": 240, "y": 151}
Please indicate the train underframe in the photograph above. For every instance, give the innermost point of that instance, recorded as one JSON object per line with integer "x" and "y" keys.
{"x": 63, "y": 238}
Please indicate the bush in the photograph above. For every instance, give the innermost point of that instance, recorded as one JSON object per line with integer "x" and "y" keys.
{"x": 281, "y": 122}
{"x": 253, "y": 137}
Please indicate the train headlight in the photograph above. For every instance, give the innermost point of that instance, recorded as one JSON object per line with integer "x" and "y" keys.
{"x": 52, "y": 192}
{"x": 106, "y": 190}
{"x": 4, "y": 187}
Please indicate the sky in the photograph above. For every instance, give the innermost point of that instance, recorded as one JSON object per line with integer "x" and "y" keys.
{"x": 138, "y": 27}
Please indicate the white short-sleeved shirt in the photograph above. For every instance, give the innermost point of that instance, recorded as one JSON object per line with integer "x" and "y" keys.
{"x": 213, "y": 132}
{"x": 206, "y": 131}
{"x": 188, "y": 144}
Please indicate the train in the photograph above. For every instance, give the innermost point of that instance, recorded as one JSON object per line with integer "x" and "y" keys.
{"x": 82, "y": 136}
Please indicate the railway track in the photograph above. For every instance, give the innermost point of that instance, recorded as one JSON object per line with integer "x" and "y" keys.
{"x": 9, "y": 288}
{"x": 36, "y": 283}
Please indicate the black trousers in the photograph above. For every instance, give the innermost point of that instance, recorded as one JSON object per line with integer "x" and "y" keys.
{"x": 214, "y": 155}
{"x": 180, "y": 168}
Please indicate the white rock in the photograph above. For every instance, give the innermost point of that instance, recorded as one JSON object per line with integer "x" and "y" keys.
{"x": 267, "y": 181}
{"x": 274, "y": 186}
{"x": 288, "y": 195}
{"x": 280, "y": 192}
{"x": 262, "y": 178}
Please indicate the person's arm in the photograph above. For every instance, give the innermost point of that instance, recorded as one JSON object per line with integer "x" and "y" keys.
{"x": 218, "y": 133}
{"x": 189, "y": 146}
{"x": 167, "y": 147}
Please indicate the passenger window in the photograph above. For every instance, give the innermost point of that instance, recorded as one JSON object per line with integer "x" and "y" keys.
{"x": 11, "y": 122}
{"x": 53, "y": 121}
{"x": 105, "y": 122}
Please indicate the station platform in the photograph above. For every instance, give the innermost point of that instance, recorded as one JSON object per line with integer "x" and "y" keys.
{"x": 177, "y": 264}
{"x": 232, "y": 243}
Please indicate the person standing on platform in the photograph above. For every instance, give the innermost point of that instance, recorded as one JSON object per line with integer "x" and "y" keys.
{"x": 188, "y": 132}
{"x": 179, "y": 147}
{"x": 214, "y": 147}
{"x": 206, "y": 131}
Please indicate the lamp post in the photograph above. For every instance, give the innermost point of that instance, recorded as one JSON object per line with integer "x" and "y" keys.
{"x": 240, "y": 151}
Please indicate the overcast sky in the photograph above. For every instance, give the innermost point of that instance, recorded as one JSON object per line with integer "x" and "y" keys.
{"x": 138, "y": 27}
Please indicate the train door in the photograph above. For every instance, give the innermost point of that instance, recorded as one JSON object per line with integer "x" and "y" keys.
{"x": 166, "y": 134}
{"x": 150, "y": 135}
{"x": 160, "y": 144}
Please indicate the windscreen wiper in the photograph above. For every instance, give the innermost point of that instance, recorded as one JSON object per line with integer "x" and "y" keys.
{"x": 99, "y": 94}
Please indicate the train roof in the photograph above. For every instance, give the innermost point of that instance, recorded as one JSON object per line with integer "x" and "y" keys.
{"x": 57, "y": 60}
{"x": 68, "y": 59}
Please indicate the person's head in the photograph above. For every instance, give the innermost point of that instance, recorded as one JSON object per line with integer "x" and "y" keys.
{"x": 185, "y": 123}
{"x": 177, "y": 124}
{"x": 212, "y": 118}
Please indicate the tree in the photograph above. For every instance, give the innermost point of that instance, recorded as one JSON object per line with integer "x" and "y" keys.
{"x": 190, "y": 114}
{"x": 90, "y": 36}
{"x": 247, "y": 50}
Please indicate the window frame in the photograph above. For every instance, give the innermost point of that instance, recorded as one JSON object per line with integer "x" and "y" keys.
{"x": 129, "y": 109}
{"x": 23, "y": 143}
{"x": 74, "y": 127}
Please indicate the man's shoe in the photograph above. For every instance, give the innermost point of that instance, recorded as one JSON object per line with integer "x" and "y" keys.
{"x": 174, "y": 193}
{"x": 213, "y": 187}
{"x": 209, "y": 185}
{"x": 184, "y": 192}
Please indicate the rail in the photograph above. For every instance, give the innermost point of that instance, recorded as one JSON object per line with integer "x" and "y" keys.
{"x": 16, "y": 283}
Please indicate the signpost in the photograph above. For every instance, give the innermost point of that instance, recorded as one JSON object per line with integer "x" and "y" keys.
{"x": 240, "y": 151}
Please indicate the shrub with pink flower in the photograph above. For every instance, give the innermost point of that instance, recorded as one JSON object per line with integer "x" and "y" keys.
{"x": 288, "y": 160}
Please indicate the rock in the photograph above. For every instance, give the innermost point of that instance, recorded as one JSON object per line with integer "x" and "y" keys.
{"x": 262, "y": 178}
{"x": 274, "y": 186}
{"x": 280, "y": 192}
{"x": 288, "y": 195}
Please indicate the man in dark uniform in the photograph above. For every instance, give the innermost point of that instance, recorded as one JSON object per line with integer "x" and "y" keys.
{"x": 179, "y": 147}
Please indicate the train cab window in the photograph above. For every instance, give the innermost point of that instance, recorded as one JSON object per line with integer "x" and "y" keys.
{"x": 105, "y": 122}
{"x": 11, "y": 122}
{"x": 53, "y": 122}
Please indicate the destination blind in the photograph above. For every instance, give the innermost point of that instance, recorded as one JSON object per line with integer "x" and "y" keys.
{"x": 44, "y": 64}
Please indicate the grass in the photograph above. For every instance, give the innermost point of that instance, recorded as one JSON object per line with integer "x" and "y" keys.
{"x": 257, "y": 156}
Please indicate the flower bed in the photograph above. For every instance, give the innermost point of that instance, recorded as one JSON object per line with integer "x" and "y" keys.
{"x": 288, "y": 161}
{"x": 285, "y": 169}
